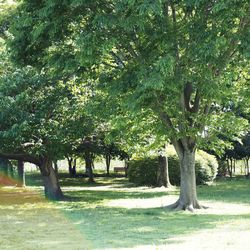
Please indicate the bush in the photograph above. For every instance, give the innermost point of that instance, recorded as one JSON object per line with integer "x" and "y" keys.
{"x": 144, "y": 171}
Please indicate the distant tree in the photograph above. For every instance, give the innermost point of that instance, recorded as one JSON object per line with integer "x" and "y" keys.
{"x": 246, "y": 146}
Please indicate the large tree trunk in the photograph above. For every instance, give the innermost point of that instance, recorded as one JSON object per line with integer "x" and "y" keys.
{"x": 56, "y": 167}
{"x": 188, "y": 196}
{"x": 162, "y": 173}
{"x": 21, "y": 174}
{"x": 4, "y": 166}
{"x": 89, "y": 170}
{"x": 52, "y": 189}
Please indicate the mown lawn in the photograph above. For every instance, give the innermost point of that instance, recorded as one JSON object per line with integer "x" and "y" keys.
{"x": 112, "y": 214}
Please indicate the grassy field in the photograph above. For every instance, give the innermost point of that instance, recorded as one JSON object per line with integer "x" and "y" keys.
{"x": 113, "y": 214}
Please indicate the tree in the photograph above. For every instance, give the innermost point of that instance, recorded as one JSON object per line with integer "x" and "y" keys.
{"x": 21, "y": 173}
{"x": 246, "y": 152}
{"x": 33, "y": 112}
{"x": 173, "y": 58}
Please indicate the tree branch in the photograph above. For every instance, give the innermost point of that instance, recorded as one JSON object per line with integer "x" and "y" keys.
{"x": 175, "y": 30}
{"x": 118, "y": 60}
{"x": 188, "y": 90}
{"x": 110, "y": 65}
{"x": 164, "y": 117}
{"x": 196, "y": 105}
{"x": 22, "y": 157}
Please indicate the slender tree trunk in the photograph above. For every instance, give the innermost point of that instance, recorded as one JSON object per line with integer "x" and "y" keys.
{"x": 188, "y": 195}
{"x": 89, "y": 170}
{"x": 21, "y": 174}
{"x": 231, "y": 169}
{"x": 52, "y": 189}
{"x": 74, "y": 168}
{"x": 126, "y": 166}
{"x": 11, "y": 170}
{"x": 247, "y": 167}
{"x": 108, "y": 160}
{"x": 70, "y": 165}
{"x": 162, "y": 173}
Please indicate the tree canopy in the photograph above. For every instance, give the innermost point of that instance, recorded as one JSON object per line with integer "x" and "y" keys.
{"x": 179, "y": 61}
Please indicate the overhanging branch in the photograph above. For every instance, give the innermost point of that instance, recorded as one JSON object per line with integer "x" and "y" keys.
{"x": 21, "y": 157}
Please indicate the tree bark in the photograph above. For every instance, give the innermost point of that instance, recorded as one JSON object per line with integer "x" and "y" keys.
{"x": 188, "y": 195}
{"x": 74, "y": 168}
{"x": 88, "y": 165}
{"x": 4, "y": 166}
{"x": 70, "y": 165}
{"x": 162, "y": 173}
{"x": 231, "y": 168}
{"x": 126, "y": 166}
{"x": 247, "y": 167}
{"x": 56, "y": 167}
{"x": 52, "y": 189}
{"x": 108, "y": 160}
{"x": 21, "y": 174}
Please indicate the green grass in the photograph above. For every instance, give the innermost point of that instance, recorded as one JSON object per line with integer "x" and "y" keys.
{"x": 235, "y": 190}
{"x": 111, "y": 215}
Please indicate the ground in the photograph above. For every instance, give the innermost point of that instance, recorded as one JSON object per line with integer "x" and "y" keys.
{"x": 112, "y": 214}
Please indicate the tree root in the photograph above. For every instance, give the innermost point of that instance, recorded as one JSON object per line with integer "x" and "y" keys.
{"x": 180, "y": 206}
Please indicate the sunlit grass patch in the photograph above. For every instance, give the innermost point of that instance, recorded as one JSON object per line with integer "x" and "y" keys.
{"x": 117, "y": 216}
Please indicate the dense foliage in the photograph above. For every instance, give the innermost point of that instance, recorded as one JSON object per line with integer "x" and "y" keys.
{"x": 164, "y": 70}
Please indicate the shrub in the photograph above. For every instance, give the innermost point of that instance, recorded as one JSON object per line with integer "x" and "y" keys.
{"x": 144, "y": 171}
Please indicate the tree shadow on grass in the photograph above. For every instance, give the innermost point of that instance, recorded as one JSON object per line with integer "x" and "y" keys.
{"x": 35, "y": 179}
{"x": 98, "y": 196}
{"x": 119, "y": 227}
{"x": 113, "y": 227}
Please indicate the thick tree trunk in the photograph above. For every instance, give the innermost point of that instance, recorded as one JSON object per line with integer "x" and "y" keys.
{"x": 88, "y": 165}
{"x": 52, "y": 189}
{"x": 162, "y": 173}
{"x": 56, "y": 167}
{"x": 21, "y": 174}
{"x": 108, "y": 160}
{"x": 4, "y": 166}
{"x": 188, "y": 196}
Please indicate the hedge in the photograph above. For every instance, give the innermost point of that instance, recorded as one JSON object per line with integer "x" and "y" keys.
{"x": 143, "y": 171}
